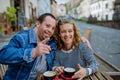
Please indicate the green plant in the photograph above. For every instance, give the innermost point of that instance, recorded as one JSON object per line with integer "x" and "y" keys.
{"x": 0, "y": 28}
{"x": 30, "y": 21}
{"x": 10, "y": 14}
{"x": 82, "y": 20}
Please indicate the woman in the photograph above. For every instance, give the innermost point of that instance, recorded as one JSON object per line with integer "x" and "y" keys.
{"x": 72, "y": 52}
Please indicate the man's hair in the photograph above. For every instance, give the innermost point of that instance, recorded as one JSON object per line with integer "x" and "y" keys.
{"x": 43, "y": 16}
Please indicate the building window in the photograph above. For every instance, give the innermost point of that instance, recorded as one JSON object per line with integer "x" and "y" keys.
{"x": 106, "y": 5}
{"x": 106, "y": 17}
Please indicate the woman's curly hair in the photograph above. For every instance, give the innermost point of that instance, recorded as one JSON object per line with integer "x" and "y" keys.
{"x": 77, "y": 36}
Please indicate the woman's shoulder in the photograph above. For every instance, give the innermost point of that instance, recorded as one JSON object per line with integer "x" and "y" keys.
{"x": 82, "y": 44}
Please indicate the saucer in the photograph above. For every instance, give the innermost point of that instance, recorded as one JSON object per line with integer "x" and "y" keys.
{"x": 65, "y": 78}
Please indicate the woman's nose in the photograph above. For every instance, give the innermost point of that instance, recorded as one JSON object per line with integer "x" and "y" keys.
{"x": 67, "y": 33}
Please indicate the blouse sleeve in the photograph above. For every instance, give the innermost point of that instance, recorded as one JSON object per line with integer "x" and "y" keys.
{"x": 89, "y": 58}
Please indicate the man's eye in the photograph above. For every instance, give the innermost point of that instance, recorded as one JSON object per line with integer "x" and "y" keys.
{"x": 48, "y": 25}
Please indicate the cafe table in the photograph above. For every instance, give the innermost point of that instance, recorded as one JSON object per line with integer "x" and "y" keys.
{"x": 96, "y": 76}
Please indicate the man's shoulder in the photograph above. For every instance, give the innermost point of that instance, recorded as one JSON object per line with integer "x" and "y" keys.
{"x": 23, "y": 33}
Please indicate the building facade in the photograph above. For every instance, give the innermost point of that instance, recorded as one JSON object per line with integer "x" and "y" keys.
{"x": 84, "y": 9}
{"x": 61, "y": 10}
{"x": 44, "y": 6}
{"x": 103, "y": 10}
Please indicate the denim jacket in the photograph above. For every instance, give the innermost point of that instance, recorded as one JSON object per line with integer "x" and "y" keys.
{"x": 17, "y": 55}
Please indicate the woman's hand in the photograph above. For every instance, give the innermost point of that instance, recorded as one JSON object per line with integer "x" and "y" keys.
{"x": 59, "y": 70}
{"x": 80, "y": 74}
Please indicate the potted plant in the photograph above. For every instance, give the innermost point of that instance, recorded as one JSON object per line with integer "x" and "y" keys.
{"x": 0, "y": 28}
{"x": 11, "y": 17}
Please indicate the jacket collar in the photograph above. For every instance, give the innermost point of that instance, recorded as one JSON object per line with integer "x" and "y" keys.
{"x": 32, "y": 36}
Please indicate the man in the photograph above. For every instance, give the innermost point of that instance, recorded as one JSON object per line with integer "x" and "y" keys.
{"x": 21, "y": 54}
{"x": 24, "y": 54}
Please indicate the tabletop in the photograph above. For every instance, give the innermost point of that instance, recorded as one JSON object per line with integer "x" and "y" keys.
{"x": 96, "y": 76}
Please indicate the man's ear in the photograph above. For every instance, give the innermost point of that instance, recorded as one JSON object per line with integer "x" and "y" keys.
{"x": 37, "y": 23}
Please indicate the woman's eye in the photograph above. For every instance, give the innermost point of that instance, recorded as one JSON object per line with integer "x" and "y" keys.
{"x": 63, "y": 31}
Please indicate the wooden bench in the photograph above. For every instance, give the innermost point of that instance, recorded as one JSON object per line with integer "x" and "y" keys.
{"x": 99, "y": 76}
{"x": 3, "y": 69}
{"x": 87, "y": 33}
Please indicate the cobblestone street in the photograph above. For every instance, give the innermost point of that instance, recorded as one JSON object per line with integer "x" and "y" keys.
{"x": 4, "y": 39}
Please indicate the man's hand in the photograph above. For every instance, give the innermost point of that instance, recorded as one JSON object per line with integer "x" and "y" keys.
{"x": 41, "y": 48}
{"x": 80, "y": 74}
{"x": 59, "y": 70}
{"x": 85, "y": 40}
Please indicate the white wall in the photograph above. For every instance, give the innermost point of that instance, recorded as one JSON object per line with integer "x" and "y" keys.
{"x": 4, "y": 4}
{"x": 28, "y": 12}
{"x": 85, "y": 9}
{"x": 44, "y": 6}
{"x": 108, "y": 11}
{"x": 100, "y": 11}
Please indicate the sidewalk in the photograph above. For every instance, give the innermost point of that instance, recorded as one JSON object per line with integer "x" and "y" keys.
{"x": 4, "y": 39}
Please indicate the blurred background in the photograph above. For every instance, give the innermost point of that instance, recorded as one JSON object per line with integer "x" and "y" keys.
{"x": 102, "y": 17}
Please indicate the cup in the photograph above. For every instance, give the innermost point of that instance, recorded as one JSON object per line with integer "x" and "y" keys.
{"x": 69, "y": 72}
{"x": 49, "y": 75}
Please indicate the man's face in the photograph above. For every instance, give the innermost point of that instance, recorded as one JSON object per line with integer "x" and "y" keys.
{"x": 46, "y": 28}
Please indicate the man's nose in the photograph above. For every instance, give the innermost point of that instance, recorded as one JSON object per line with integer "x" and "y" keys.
{"x": 50, "y": 30}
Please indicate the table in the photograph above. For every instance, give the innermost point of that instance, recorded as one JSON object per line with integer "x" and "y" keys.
{"x": 96, "y": 76}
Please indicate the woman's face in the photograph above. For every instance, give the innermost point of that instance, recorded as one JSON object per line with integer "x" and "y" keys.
{"x": 67, "y": 33}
